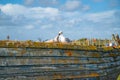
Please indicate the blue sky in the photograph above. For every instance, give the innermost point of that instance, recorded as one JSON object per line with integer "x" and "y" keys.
{"x": 33, "y": 19}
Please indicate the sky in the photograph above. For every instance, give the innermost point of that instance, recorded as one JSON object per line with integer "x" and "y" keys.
{"x": 43, "y": 19}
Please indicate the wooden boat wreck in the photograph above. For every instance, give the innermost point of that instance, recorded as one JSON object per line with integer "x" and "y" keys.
{"x": 29, "y": 60}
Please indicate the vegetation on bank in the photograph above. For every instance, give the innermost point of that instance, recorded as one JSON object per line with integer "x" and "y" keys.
{"x": 72, "y": 45}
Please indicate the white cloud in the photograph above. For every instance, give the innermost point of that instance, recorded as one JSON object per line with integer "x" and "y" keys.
{"x": 47, "y": 26}
{"x": 29, "y": 27}
{"x": 51, "y": 11}
{"x": 116, "y": 29}
{"x": 99, "y": 17}
{"x": 54, "y": 1}
{"x": 13, "y": 10}
{"x": 0, "y": 5}
{"x": 35, "y": 12}
{"x": 45, "y": 3}
{"x": 85, "y": 7}
{"x": 28, "y": 2}
{"x": 48, "y": 2}
{"x": 71, "y": 5}
{"x": 74, "y": 5}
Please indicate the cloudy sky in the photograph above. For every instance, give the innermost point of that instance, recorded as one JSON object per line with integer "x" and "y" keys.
{"x": 33, "y": 19}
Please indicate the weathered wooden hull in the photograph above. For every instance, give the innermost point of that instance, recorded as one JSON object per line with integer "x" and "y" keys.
{"x": 52, "y": 64}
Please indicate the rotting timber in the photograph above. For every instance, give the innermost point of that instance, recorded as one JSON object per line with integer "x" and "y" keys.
{"x": 52, "y": 61}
